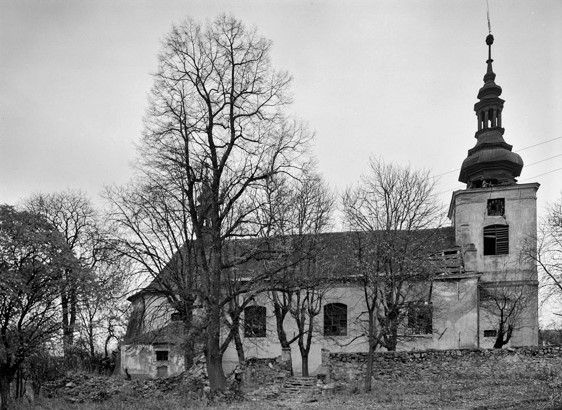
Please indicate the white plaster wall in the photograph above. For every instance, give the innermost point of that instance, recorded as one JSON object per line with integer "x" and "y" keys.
{"x": 140, "y": 360}
{"x": 526, "y": 330}
{"x": 455, "y": 313}
{"x": 268, "y": 347}
{"x": 351, "y": 295}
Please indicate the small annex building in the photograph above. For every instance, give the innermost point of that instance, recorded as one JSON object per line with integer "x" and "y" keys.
{"x": 493, "y": 226}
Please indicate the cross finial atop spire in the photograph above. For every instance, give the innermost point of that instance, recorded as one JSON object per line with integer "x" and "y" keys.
{"x": 490, "y": 76}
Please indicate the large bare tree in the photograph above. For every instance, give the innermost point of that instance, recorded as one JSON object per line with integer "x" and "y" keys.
{"x": 394, "y": 211}
{"x": 215, "y": 132}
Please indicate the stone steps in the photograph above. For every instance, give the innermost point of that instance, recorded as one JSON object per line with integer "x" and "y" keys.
{"x": 296, "y": 385}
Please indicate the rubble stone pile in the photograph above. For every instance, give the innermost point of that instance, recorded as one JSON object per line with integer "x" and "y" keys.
{"x": 82, "y": 387}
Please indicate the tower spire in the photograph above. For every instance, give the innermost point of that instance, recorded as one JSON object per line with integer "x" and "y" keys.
{"x": 491, "y": 161}
{"x": 490, "y": 75}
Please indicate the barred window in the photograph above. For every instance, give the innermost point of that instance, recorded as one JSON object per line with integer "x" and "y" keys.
{"x": 161, "y": 355}
{"x": 335, "y": 319}
{"x": 254, "y": 321}
{"x": 496, "y": 240}
{"x": 490, "y": 333}
{"x": 420, "y": 318}
{"x": 496, "y": 207}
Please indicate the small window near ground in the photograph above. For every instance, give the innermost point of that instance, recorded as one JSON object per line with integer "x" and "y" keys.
{"x": 496, "y": 207}
{"x": 496, "y": 240}
{"x": 161, "y": 355}
{"x": 176, "y": 317}
{"x": 255, "y": 321}
{"x": 490, "y": 333}
{"x": 420, "y": 318}
{"x": 335, "y": 319}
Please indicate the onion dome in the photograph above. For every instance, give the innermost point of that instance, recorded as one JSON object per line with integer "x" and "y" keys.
{"x": 490, "y": 162}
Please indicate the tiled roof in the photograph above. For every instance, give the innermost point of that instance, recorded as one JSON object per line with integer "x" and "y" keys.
{"x": 337, "y": 253}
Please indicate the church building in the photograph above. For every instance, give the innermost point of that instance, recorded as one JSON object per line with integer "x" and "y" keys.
{"x": 490, "y": 296}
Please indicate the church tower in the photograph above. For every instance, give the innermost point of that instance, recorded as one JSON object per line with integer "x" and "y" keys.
{"x": 495, "y": 223}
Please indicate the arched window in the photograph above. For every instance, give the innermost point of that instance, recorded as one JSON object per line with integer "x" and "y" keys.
{"x": 496, "y": 240}
{"x": 335, "y": 319}
{"x": 254, "y": 321}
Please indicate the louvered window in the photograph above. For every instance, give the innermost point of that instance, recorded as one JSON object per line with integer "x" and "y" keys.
{"x": 496, "y": 240}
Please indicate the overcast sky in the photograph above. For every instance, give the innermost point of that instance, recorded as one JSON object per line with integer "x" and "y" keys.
{"x": 396, "y": 79}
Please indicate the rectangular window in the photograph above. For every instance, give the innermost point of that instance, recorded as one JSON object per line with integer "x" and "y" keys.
{"x": 335, "y": 319}
{"x": 496, "y": 240}
{"x": 490, "y": 333}
{"x": 255, "y": 321}
{"x": 176, "y": 317}
{"x": 161, "y": 355}
{"x": 420, "y": 318}
{"x": 496, "y": 207}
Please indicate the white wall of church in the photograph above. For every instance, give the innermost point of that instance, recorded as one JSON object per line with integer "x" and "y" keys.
{"x": 455, "y": 313}
{"x": 355, "y": 341}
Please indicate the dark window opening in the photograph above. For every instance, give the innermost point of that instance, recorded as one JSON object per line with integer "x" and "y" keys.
{"x": 420, "y": 318}
{"x": 161, "y": 355}
{"x": 254, "y": 321}
{"x": 496, "y": 240}
{"x": 490, "y": 333}
{"x": 176, "y": 317}
{"x": 496, "y": 207}
{"x": 335, "y": 319}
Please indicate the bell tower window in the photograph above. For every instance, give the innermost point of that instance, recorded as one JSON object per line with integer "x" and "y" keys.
{"x": 496, "y": 207}
{"x": 496, "y": 240}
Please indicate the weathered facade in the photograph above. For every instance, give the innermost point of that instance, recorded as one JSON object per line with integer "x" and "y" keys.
{"x": 486, "y": 276}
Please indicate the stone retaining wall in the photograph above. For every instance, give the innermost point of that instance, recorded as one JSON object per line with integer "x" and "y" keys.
{"x": 350, "y": 367}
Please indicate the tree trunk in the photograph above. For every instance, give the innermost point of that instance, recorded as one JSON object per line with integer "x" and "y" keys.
{"x": 72, "y": 320}
{"x": 503, "y": 336}
{"x": 189, "y": 341}
{"x": 238, "y": 344}
{"x": 370, "y": 355}
{"x": 217, "y": 380}
{"x": 4, "y": 391}
{"x": 68, "y": 305}
{"x": 304, "y": 365}
{"x": 91, "y": 339}
{"x": 64, "y": 307}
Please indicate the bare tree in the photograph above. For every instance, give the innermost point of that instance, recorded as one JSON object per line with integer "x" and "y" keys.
{"x": 73, "y": 215}
{"x": 153, "y": 227}
{"x": 295, "y": 212}
{"x": 394, "y": 212}
{"x": 101, "y": 314}
{"x": 214, "y": 133}
{"x": 32, "y": 257}
{"x": 548, "y": 253}
{"x": 505, "y": 303}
